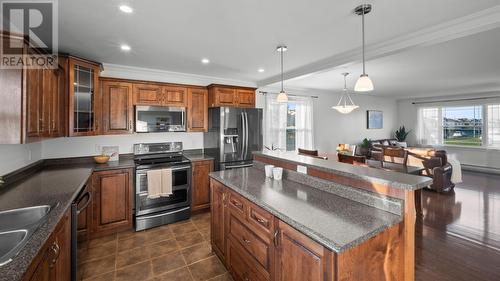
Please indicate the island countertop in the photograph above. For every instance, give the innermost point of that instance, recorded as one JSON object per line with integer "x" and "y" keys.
{"x": 393, "y": 179}
{"x": 336, "y": 222}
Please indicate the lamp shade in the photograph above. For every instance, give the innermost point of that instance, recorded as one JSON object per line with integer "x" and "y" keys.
{"x": 282, "y": 97}
{"x": 345, "y": 109}
{"x": 364, "y": 84}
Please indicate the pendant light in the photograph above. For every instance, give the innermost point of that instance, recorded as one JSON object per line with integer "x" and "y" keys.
{"x": 364, "y": 83}
{"x": 282, "y": 96}
{"x": 345, "y": 104}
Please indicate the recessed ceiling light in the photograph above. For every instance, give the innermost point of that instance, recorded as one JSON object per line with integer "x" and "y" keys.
{"x": 261, "y": 70}
{"x": 205, "y": 61}
{"x": 125, "y": 47}
{"x": 126, "y": 9}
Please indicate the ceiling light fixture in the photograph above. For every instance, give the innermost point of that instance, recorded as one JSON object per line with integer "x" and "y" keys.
{"x": 126, "y": 9}
{"x": 125, "y": 48}
{"x": 364, "y": 83}
{"x": 205, "y": 61}
{"x": 282, "y": 96}
{"x": 345, "y": 104}
{"x": 261, "y": 70}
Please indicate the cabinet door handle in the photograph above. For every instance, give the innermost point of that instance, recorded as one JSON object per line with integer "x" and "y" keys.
{"x": 56, "y": 250}
{"x": 246, "y": 241}
{"x": 276, "y": 238}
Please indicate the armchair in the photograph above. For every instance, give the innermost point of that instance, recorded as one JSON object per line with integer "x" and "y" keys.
{"x": 437, "y": 167}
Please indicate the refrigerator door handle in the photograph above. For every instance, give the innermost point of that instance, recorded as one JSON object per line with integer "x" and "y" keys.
{"x": 247, "y": 136}
{"x": 244, "y": 135}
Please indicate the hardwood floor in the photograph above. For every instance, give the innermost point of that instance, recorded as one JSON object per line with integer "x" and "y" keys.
{"x": 458, "y": 237}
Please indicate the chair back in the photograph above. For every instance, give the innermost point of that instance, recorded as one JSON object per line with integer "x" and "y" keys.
{"x": 395, "y": 155}
{"x": 308, "y": 152}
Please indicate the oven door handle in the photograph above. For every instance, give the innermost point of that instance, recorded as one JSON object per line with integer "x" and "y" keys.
{"x": 238, "y": 166}
{"x": 159, "y": 168}
{"x": 162, "y": 214}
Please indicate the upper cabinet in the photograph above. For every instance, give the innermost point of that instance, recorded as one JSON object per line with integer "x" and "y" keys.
{"x": 84, "y": 99}
{"x": 197, "y": 110}
{"x": 159, "y": 95}
{"x": 117, "y": 107}
{"x": 223, "y": 95}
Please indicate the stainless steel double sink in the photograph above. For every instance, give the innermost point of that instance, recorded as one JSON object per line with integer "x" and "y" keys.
{"x": 16, "y": 226}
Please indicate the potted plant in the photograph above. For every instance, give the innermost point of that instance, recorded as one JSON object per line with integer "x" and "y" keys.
{"x": 364, "y": 147}
{"x": 401, "y": 135}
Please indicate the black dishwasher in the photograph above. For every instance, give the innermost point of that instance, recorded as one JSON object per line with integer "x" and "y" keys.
{"x": 81, "y": 202}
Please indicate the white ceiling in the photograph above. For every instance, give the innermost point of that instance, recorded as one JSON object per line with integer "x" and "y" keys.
{"x": 240, "y": 36}
{"x": 462, "y": 66}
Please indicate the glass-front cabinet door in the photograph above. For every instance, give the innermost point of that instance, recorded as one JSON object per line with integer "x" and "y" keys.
{"x": 84, "y": 97}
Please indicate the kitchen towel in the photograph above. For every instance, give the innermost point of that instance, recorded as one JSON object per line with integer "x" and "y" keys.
{"x": 154, "y": 183}
{"x": 456, "y": 173}
{"x": 166, "y": 182}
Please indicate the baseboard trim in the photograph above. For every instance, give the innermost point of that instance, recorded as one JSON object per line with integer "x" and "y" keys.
{"x": 481, "y": 169}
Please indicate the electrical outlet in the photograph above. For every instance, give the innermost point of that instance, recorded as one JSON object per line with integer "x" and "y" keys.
{"x": 98, "y": 148}
{"x": 30, "y": 156}
{"x": 302, "y": 169}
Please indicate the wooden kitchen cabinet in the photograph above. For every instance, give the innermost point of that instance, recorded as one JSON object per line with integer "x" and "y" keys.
{"x": 218, "y": 209}
{"x": 147, "y": 94}
{"x": 53, "y": 263}
{"x": 34, "y": 95}
{"x": 84, "y": 102}
{"x": 112, "y": 201}
{"x": 201, "y": 185}
{"x": 174, "y": 96}
{"x": 225, "y": 95}
{"x": 197, "y": 110}
{"x": 300, "y": 258}
{"x": 117, "y": 107}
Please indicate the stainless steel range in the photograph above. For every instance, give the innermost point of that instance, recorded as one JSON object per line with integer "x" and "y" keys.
{"x": 151, "y": 212}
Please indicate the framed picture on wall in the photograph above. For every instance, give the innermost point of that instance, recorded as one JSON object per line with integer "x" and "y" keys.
{"x": 375, "y": 119}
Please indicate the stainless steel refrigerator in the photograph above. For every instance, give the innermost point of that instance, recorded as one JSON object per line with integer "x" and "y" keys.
{"x": 233, "y": 133}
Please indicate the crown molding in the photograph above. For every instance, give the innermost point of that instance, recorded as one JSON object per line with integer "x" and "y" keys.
{"x": 157, "y": 75}
{"x": 460, "y": 27}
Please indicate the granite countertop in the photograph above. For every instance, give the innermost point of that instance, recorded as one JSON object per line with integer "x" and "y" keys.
{"x": 196, "y": 155}
{"x": 336, "y": 222}
{"x": 56, "y": 186}
{"x": 393, "y": 179}
{"x": 56, "y": 182}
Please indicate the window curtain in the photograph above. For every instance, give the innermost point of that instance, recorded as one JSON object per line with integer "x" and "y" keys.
{"x": 303, "y": 122}
{"x": 429, "y": 126}
{"x": 275, "y": 123}
{"x": 493, "y": 126}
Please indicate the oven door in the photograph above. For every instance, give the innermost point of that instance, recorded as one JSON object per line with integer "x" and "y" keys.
{"x": 181, "y": 188}
{"x": 160, "y": 119}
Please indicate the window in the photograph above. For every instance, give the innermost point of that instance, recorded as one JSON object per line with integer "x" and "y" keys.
{"x": 461, "y": 125}
{"x": 288, "y": 126}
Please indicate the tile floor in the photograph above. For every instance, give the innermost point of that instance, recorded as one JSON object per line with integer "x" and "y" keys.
{"x": 179, "y": 252}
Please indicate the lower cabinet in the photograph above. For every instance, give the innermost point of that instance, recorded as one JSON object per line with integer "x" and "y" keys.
{"x": 300, "y": 258}
{"x": 112, "y": 201}
{"x": 53, "y": 263}
{"x": 218, "y": 207}
{"x": 255, "y": 245}
{"x": 201, "y": 185}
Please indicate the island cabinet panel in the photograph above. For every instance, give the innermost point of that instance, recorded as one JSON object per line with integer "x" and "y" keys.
{"x": 201, "y": 185}
{"x": 53, "y": 262}
{"x": 381, "y": 258}
{"x": 197, "y": 110}
{"x": 147, "y": 94}
{"x": 112, "y": 202}
{"x": 117, "y": 107}
{"x": 218, "y": 207}
{"x": 300, "y": 258}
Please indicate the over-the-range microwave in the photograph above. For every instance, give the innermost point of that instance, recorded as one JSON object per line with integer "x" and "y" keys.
{"x": 149, "y": 119}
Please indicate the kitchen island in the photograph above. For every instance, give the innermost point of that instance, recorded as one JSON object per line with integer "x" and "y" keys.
{"x": 313, "y": 227}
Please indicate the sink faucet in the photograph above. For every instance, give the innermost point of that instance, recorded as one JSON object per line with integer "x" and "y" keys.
{"x": 272, "y": 148}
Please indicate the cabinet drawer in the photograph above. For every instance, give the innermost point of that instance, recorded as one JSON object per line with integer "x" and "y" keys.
{"x": 238, "y": 205}
{"x": 260, "y": 219}
{"x": 255, "y": 246}
{"x": 241, "y": 265}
